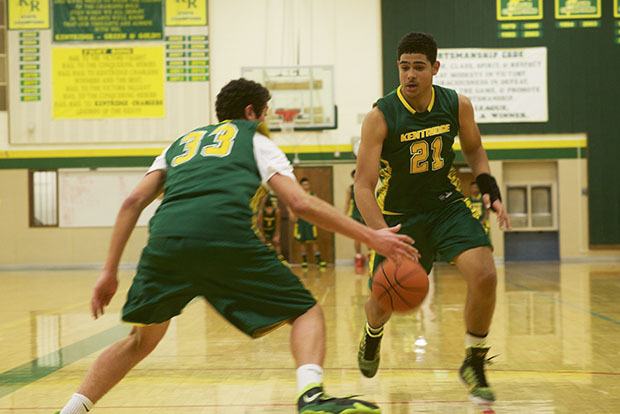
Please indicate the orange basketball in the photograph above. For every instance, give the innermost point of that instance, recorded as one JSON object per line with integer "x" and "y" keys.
{"x": 399, "y": 288}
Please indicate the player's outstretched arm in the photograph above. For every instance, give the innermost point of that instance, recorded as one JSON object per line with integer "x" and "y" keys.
{"x": 374, "y": 131}
{"x": 145, "y": 192}
{"x": 476, "y": 156}
{"x": 385, "y": 241}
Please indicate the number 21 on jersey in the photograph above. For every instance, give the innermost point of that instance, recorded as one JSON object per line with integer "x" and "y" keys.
{"x": 419, "y": 156}
{"x": 223, "y": 141}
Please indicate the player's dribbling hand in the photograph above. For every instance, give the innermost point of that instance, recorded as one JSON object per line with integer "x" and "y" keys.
{"x": 498, "y": 208}
{"x": 388, "y": 243}
{"x": 104, "y": 290}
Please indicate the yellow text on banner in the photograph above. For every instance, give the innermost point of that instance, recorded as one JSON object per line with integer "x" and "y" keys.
{"x": 117, "y": 82}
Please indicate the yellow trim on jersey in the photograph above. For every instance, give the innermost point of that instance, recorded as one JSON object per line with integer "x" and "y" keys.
{"x": 350, "y": 208}
{"x": 409, "y": 107}
{"x": 260, "y": 193}
{"x": 454, "y": 179}
{"x": 371, "y": 262}
{"x": 263, "y": 128}
{"x": 456, "y": 182}
{"x": 385, "y": 174}
{"x": 477, "y": 213}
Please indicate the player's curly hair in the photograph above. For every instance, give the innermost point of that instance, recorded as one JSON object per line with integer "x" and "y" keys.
{"x": 417, "y": 42}
{"x": 236, "y": 95}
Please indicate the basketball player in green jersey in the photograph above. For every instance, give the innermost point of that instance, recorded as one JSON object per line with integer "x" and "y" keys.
{"x": 477, "y": 206}
{"x": 407, "y": 142}
{"x": 202, "y": 243}
{"x": 352, "y": 211}
{"x": 306, "y": 233}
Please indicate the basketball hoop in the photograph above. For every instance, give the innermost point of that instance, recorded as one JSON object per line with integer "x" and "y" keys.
{"x": 287, "y": 121}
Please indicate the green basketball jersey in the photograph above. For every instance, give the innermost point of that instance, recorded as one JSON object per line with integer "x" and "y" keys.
{"x": 213, "y": 186}
{"x": 416, "y": 160}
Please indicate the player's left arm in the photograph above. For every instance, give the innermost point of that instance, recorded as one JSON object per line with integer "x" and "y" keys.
{"x": 145, "y": 192}
{"x": 476, "y": 156}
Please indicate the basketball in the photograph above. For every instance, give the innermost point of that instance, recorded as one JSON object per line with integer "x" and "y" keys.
{"x": 399, "y": 288}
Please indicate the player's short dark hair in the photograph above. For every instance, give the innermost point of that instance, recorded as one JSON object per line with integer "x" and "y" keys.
{"x": 304, "y": 180}
{"x": 417, "y": 42}
{"x": 236, "y": 95}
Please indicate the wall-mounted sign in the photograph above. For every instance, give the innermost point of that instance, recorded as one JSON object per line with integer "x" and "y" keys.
{"x": 29, "y": 14}
{"x": 107, "y": 20}
{"x": 98, "y": 83}
{"x": 577, "y": 9}
{"x": 186, "y": 12}
{"x": 519, "y": 9}
{"x": 505, "y": 85}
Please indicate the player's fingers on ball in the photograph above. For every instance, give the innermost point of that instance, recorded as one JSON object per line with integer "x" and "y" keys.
{"x": 411, "y": 251}
{"x": 405, "y": 238}
{"x": 410, "y": 256}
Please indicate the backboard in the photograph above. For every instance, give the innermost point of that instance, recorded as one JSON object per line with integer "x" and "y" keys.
{"x": 306, "y": 89}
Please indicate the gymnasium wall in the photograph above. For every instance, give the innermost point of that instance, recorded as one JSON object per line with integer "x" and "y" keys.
{"x": 268, "y": 32}
{"x": 582, "y": 83}
{"x": 342, "y": 33}
{"x": 22, "y": 245}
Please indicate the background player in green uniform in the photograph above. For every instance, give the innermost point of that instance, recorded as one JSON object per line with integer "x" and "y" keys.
{"x": 202, "y": 243}
{"x": 409, "y": 134}
{"x": 352, "y": 211}
{"x": 306, "y": 233}
{"x": 477, "y": 206}
{"x": 269, "y": 223}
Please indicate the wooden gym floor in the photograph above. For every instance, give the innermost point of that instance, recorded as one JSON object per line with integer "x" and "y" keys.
{"x": 556, "y": 330}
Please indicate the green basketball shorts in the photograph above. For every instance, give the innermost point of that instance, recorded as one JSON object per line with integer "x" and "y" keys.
{"x": 305, "y": 231}
{"x": 247, "y": 285}
{"x": 448, "y": 231}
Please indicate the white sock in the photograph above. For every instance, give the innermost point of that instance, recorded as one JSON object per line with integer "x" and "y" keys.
{"x": 374, "y": 332}
{"x": 475, "y": 341}
{"x": 78, "y": 404}
{"x": 308, "y": 374}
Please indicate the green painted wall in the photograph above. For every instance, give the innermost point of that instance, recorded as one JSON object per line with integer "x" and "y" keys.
{"x": 583, "y": 83}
